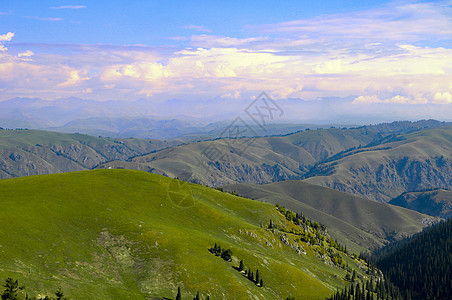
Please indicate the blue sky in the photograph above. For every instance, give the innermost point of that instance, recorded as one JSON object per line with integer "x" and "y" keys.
{"x": 153, "y": 22}
{"x": 384, "y": 52}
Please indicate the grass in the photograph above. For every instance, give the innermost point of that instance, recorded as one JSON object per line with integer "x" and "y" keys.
{"x": 356, "y": 222}
{"x": 122, "y": 234}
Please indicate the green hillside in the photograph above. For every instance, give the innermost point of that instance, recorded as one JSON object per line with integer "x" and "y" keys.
{"x": 121, "y": 234}
{"x": 359, "y": 223}
{"x": 435, "y": 202}
{"x": 32, "y": 152}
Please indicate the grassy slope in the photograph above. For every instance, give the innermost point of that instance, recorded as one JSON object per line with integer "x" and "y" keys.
{"x": 359, "y": 223}
{"x": 129, "y": 234}
{"x": 408, "y": 165}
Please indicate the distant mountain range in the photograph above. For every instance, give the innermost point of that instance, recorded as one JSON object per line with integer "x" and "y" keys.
{"x": 378, "y": 162}
{"x": 177, "y": 119}
{"x": 123, "y": 119}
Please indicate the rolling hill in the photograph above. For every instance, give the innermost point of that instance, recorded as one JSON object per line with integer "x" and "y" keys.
{"x": 435, "y": 202}
{"x": 32, "y": 152}
{"x": 252, "y": 160}
{"x": 356, "y": 222}
{"x": 121, "y": 234}
{"x": 374, "y": 162}
{"x": 378, "y": 162}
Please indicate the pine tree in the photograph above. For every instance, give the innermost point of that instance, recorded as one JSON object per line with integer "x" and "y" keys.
{"x": 261, "y": 283}
{"x": 59, "y": 294}
{"x": 179, "y": 296}
{"x": 250, "y": 275}
{"x": 271, "y": 224}
{"x": 241, "y": 266}
{"x": 197, "y": 297}
{"x": 257, "y": 277}
{"x": 227, "y": 255}
{"x": 11, "y": 289}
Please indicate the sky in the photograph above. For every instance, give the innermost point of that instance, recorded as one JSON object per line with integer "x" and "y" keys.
{"x": 384, "y": 53}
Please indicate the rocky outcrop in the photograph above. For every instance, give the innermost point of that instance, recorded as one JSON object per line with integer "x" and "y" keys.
{"x": 385, "y": 179}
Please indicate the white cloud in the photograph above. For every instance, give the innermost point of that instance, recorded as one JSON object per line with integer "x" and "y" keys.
{"x": 69, "y": 7}
{"x": 234, "y": 95}
{"x": 394, "y": 22}
{"x": 308, "y": 59}
{"x": 212, "y": 41}
{"x": 6, "y": 37}
{"x": 197, "y": 28}
{"x": 395, "y": 99}
{"x": 442, "y": 98}
{"x": 27, "y": 53}
{"x": 44, "y": 19}
{"x": 73, "y": 78}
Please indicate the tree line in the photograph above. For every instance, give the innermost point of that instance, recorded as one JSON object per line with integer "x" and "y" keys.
{"x": 14, "y": 291}
{"x": 421, "y": 266}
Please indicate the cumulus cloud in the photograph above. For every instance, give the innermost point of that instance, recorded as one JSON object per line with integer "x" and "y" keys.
{"x": 27, "y": 53}
{"x": 442, "y": 98}
{"x": 73, "y": 78}
{"x": 6, "y": 37}
{"x": 376, "y": 99}
{"x": 375, "y": 56}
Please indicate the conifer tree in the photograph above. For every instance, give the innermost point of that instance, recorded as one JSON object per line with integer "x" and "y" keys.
{"x": 59, "y": 294}
{"x": 11, "y": 289}
{"x": 178, "y": 296}
{"x": 241, "y": 266}
{"x": 197, "y": 297}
